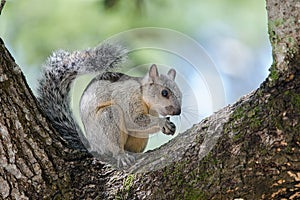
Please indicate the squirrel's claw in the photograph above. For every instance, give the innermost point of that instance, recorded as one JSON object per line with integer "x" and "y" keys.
{"x": 125, "y": 160}
{"x": 169, "y": 128}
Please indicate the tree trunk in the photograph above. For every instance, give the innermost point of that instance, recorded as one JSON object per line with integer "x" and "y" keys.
{"x": 248, "y": 150}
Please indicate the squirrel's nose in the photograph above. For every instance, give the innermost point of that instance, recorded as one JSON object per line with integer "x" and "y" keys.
{"x": 177, "y": 111}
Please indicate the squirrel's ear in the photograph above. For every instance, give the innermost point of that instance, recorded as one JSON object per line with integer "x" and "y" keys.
{"x": 172, "y": 74}
{"x": 153, "y": 73}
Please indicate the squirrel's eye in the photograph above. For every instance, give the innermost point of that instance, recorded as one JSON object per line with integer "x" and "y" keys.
{"x": 164, "y": 93}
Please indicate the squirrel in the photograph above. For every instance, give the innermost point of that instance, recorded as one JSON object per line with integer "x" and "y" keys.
{"x": 118, "y": 111}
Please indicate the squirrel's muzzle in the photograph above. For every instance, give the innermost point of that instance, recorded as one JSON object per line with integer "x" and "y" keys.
{"x": 173, "y": 111}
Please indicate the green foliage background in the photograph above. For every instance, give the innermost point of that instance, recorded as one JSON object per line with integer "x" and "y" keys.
{"x": 34, "y": 28}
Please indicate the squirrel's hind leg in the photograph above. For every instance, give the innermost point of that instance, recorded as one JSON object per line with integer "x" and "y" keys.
{"x": 111, "y": 135}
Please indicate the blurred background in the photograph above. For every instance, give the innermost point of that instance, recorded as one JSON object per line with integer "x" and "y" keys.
{"x": 232, "y": 33}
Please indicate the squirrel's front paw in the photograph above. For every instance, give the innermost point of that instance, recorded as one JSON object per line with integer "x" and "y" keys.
{"x": 169, "y": 127}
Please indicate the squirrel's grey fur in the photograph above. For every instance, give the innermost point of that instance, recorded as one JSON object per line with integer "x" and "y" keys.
{"x": 60, "y": 71}
{"x": 118, "y": 111}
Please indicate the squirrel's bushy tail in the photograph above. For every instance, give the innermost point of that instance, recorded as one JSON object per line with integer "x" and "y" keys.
{"x": 59, "y": 72}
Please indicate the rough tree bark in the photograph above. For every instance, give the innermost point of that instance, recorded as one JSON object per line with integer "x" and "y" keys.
{"x": 248, "y": 150}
